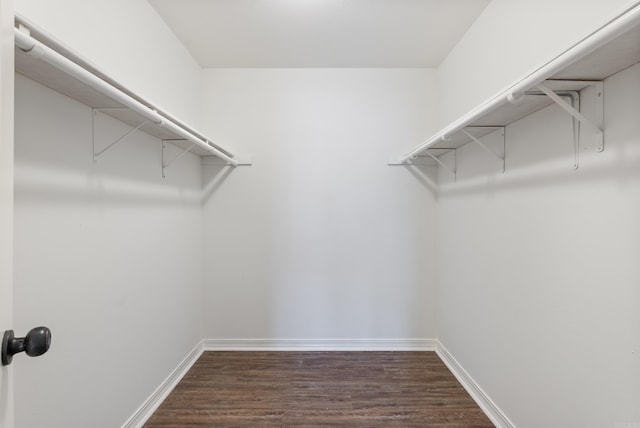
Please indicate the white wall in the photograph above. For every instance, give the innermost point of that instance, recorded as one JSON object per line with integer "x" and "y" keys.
{"x": 6, "y": 202}
{"x": 538, "y": 287}
{"x": 109, "y": 256}
{"x": 319, "y": 238}
{"x": 509, "y": 40}
{"x": 129, "y": 41}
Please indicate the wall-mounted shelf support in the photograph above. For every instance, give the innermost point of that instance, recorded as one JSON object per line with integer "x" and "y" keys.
{"x": 608, "y": 49}
{"x": 575, "y": 114}
{"x": 442, "y": 164}
{"x": 566, "y": 93}
{"x": 165, "y": 164}
{"x": 575, "y": 128}
{"x": 487, "y": 149}
{"x": 573, "y": 98}
{"x": 46, "y": 61}
{"x": 569, "y": 108}
{"x": 96, "y": 154}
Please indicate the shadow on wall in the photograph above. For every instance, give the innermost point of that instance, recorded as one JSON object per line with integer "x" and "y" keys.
{"x": 625, "y": 167}
{"x": 540, "y": 153}
{"x": 213, "y": 176}
{"x": 618, "y": 162}
{"x": 426, "y": 175}
{"x": 4, "y": 392}
{"x": 55, "y": 160}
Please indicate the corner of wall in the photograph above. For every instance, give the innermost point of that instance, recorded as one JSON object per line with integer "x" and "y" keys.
{"x": 491, "y": 409}
{"x": 145, "y": 411}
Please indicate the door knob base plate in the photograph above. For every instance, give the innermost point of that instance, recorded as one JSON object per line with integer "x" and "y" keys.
{"x": 7, "y": 339}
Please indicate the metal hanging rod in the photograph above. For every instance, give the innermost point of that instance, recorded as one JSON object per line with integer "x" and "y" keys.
{"x": 614, "y": 28}
{"x": 38, "y": 50}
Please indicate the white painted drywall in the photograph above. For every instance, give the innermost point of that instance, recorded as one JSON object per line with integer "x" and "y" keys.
{"x": 6, "y": 202}
{"x": 509, "y": 40}
{"x": 539, "y": 295}
{"x": 327, "y": 33}
{"x": 109, "y": 256}
{"x": 319, "y": 238}
{"x": 129, "y": 41}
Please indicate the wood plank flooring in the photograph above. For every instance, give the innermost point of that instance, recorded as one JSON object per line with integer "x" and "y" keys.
{"x": 305, "y": 389}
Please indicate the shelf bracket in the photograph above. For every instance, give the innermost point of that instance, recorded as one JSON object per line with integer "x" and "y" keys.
{"x": 575, "y": 124}
{"x": 487, "y": 149}
{"x": 122, "y": 137}
{"x": 573, "y": 98}
{"x": 167, "y": 164}
{"x": 577, "y": 116}
{"x": 566, "y": 106}
{"x": 442, "y": 164}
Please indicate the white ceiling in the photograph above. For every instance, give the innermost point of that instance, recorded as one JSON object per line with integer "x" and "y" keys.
{"x": 319, "y": 33}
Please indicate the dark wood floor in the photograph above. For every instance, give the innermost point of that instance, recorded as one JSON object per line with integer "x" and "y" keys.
{"x": 295, "y": 389}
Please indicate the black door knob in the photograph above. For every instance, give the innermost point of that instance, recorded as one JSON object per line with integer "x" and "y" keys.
{"x": 34, "y": 344}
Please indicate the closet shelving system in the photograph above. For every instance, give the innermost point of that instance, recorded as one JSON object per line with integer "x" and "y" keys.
{"x": 41, "y": 58}
{"x": 577, "y": 73}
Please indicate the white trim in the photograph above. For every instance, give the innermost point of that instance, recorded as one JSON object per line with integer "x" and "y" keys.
{"x": 487, "y": 405}
{"x": 150, "y": 405}
{"x": 320, "y": 344}
{"x": 492, "y": 411}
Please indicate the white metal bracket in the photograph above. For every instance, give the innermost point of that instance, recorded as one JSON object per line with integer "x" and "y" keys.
{"x": 242, "y": 160}
{"x": 96, "y": 154}
{"x": 501, "y": 157}
{"x": 578, "y": 119}
{"x": 566, "y": 106}
{"x": 409, "y": 162}
{"x": 166, "y": 164}
{"x": 592, "y": 106}
{"x": 573, "y": 98}
{"x": 442, "y": 164}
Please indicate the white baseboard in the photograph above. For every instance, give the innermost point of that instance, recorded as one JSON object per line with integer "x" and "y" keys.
{"x": 147, "y": 408}
{"x": 475, "y": 391}
{"x": 320, "y": 344}
{"x": 492, "y": 411}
